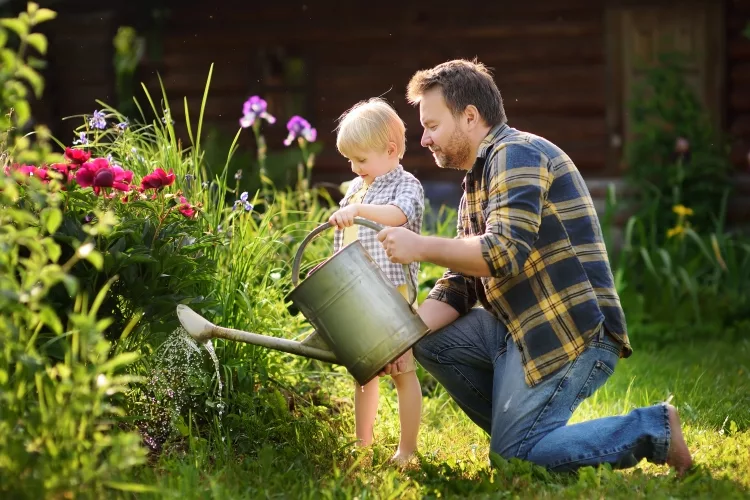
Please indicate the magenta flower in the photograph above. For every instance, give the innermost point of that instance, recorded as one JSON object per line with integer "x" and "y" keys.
{"x": 77, "y": 156}
{"x": 27, "y": 171}
{"x": 157, "y": 179}
{"x": 255, "y": 108}
{"x": 100, "y": 174}
{"x": 299, "y": 127}
{"x": 186, "y": 209}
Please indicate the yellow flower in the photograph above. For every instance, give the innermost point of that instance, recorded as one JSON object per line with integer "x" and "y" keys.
{"x": 682, "y": 210}
{"x": 675, "y": 231}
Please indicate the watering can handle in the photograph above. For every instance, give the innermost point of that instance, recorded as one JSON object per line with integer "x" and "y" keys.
{"x": 357, "y": 220}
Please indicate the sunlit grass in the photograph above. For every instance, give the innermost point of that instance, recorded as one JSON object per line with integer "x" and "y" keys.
{"x": 709, "y": 383}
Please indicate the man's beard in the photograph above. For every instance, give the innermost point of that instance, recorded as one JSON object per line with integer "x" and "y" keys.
{"x": 456, "y": 154}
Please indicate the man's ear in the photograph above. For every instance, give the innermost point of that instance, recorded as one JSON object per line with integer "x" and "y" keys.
{"x": 471, "y": 116}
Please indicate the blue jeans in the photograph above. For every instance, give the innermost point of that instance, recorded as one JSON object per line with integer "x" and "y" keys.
{"x": 473, "y": 359}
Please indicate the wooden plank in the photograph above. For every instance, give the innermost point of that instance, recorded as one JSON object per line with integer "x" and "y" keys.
{"x": 739, "y": 100}
{"x": 740, "y": 126}
{"x": 739, "y": 50}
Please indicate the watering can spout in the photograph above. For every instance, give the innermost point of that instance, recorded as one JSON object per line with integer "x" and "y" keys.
{"x": 196, "y": 325}
{"x": 203, "y": 330}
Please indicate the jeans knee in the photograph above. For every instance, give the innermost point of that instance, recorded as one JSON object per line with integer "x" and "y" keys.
{"x": 420, "y": 353}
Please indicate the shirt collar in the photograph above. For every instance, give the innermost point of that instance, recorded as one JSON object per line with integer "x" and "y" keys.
{"x": 388, "y": 176}
{"x": 495, "y": 134}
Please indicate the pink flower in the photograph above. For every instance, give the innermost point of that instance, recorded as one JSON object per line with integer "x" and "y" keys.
{"x": 100, "y": 174}
{"x": 186, "y": 208}
{"x": 77, "y": 156}
{"x": 681, "y": 145}
{"x": 65, "y": 170}
{"x": 157, "y": 179}
{"x": 27, "y": 171}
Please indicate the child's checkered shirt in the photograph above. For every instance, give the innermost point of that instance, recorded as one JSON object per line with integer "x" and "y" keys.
{"x": 400, "y": 188}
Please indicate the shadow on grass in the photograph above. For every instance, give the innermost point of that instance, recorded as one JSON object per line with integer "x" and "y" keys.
{"x": 525, "y": 480}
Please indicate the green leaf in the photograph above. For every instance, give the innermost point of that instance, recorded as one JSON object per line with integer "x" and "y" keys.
{"x": 7, "y": 58}
{"x": 49, "y": 318}
{"x": 123, "y": 359}
{"x": 3, "y": 38}
{"x": 96, "y": 259}
{"x": 38, "y": 41}
{"x": 43, "y": 15}
{"x": 36, "y": 62}
{"x": 140, "y": 258}
{"x": 53, "y": 249}
{"x": 71, "y": 284}
{"x": 15, "y": 25}
{"x": 134, "y": 487}
{"x": 23, "y": 112}
{"x": 33, "y": 77}
{"x": 52, "y": 218}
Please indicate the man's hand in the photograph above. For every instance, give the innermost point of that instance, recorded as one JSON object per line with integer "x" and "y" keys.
{"x": 401, "y": 245}
{"x": 344, "y": 217}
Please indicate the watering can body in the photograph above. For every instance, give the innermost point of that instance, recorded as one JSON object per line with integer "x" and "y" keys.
{"x": 361, "y": 319}
{"x": 359, "y": 314}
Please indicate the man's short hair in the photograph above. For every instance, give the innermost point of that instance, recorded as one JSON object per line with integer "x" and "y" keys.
{"x": 463, "y": 83}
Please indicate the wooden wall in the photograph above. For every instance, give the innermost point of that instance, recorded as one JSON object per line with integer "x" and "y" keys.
{"x": 738, "y": 103}
{"x": 548, "y": 59}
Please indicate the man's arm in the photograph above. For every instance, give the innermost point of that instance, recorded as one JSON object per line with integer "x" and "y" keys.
{"x": 518, "y": 183}
{"x": 461, "y": 255}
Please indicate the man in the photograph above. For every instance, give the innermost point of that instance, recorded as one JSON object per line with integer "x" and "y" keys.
{"x": 529, "y": 249}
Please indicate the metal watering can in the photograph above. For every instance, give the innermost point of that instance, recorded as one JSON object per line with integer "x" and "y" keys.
{"x": 362, "y": 321}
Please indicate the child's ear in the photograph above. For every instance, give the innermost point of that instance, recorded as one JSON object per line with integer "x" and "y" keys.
{"x": 392, "y": 150}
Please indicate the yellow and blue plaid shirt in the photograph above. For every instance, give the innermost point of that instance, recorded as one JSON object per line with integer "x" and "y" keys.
{"x": 551, "y": 283}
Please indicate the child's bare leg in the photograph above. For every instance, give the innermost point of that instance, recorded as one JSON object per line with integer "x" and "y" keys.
{"x": 365, "y": 410}
{"x": 409, "y": 412}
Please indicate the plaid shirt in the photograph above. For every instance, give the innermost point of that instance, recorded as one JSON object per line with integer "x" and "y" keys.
{"x": 400, "y": 188}
{"x": 551, "y": 282}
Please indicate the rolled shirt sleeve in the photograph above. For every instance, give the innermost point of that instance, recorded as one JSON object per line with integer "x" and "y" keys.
{"x": 518, "y": 182}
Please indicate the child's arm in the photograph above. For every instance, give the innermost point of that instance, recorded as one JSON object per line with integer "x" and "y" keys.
{"x": 388, "y": 215}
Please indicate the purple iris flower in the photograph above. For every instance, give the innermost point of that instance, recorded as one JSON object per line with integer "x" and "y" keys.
{"x": 299, "y": 127}
{"x": 255, "y": 108}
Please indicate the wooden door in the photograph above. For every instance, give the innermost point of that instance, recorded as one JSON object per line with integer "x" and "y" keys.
{"x": 637, "y": 34}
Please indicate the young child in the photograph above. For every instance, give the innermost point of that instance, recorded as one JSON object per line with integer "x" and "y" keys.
{"x": 372, "y": 137}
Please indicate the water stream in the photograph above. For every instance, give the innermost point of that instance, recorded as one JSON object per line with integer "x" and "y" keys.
{"x": 176, "y": 370}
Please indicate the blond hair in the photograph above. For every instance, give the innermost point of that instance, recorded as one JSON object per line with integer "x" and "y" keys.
{"x": 369, "y": 126}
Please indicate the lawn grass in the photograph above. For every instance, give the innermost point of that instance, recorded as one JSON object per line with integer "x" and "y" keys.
{"x": 308, "y": 451}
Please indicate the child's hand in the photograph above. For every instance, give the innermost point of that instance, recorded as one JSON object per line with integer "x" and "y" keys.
{"x": 344, "y": 217}
{"x": 398, "y": 366}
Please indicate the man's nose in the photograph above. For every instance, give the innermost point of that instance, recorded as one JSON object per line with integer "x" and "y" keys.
{"x": 426, "y": 140}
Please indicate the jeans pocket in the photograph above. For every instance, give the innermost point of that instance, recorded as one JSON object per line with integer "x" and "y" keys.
{"x": 599, "y": 374}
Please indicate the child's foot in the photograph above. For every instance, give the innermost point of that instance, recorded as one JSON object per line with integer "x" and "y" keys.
{"x": 679, "y": 454}
{"x": 401, "y": 458}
